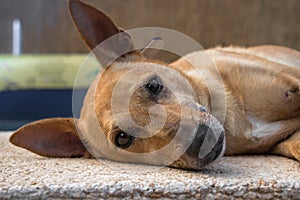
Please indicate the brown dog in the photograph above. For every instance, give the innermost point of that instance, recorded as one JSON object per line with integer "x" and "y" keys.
{"x": 259, "y": 88}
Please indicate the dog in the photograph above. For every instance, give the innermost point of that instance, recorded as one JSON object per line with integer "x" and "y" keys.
{"x": 259, "y": 87}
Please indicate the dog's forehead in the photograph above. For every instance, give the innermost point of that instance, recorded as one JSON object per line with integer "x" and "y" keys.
{"x": 136, "y": 71}
{"x": 117, "y": 66}
{"x": 141, "y": 71}
{"x": 120, "y": 73}
{"x": 115, "y": 76}
{"x": 132, "y": 75}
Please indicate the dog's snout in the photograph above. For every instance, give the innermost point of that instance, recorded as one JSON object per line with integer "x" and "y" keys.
{"x": 198, "y": 140}
{"x": 216, "y": 151}
{"x": 209, "y": 141}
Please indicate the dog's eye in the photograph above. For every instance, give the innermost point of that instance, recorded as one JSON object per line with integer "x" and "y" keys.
{"x": 154, "y": 86}
{"x": 123, "y": 140}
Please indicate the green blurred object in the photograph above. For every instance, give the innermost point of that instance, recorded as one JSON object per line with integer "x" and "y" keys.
{"x": 44, "y": 71}
{"x": 34, "y": 87}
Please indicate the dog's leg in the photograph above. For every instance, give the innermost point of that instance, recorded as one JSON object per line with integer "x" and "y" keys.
{"x": 290, "y": 147}
{"x": 264, "y": 139}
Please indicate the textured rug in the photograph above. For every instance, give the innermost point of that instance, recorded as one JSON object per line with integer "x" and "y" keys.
{"x": 24, "y": 175}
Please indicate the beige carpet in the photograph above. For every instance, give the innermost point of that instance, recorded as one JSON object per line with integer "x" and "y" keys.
{"x": 27, "y": 176}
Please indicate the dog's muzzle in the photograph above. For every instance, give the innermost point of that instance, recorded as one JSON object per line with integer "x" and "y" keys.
{"x": 207, "y": 146}
{"x": 205, "y": 134}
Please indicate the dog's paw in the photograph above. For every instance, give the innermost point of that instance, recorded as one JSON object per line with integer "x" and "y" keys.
{"x": 295, "y": 150}
{"x": 289, "y": 148}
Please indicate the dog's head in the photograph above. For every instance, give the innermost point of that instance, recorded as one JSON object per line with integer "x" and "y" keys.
{"x": 137, "y": 110}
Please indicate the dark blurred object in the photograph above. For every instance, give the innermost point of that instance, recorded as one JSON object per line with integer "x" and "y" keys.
{"x": 24, "y": 106}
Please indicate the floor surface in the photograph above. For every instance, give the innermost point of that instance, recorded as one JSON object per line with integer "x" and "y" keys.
{"x": 25, "y": 175}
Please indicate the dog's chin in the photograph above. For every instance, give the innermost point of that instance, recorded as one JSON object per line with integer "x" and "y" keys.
{"x": 195, "y": 162}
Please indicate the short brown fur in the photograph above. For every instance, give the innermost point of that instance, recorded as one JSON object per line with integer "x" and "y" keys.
{"x": 262, "y": 87}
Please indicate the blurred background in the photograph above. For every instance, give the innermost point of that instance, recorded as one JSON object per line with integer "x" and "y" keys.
{"x": 47, "y": 27}
{"x": 39, "y": 83}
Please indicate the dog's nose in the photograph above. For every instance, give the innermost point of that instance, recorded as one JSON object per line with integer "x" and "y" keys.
{"x": 216, "y": 151}
{"x": 202, "y": 109}
{"x": 194, "y": 148}
{"x": 215, "y": 141}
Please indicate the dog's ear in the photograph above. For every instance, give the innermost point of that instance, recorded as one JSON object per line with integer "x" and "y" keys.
{"x": 93, "y": 25}
{"x": 56, "y": 137}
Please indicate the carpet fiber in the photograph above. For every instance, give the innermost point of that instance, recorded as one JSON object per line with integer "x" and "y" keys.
{"x": 27, "y": 176}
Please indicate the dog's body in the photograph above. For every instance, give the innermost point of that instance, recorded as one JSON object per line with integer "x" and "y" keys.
{"x": 260, "y": 83}
{"x": 260, "y": 86}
